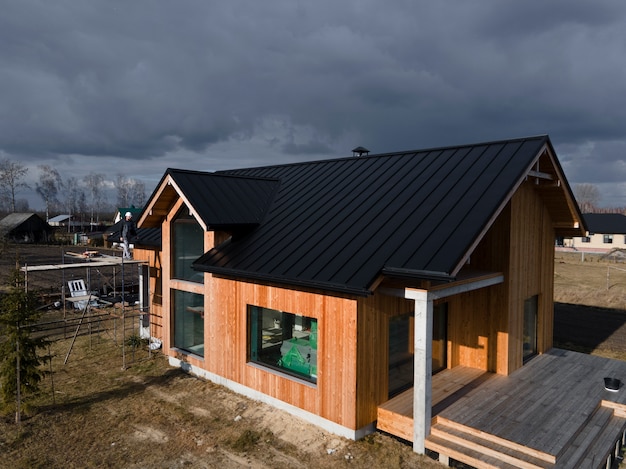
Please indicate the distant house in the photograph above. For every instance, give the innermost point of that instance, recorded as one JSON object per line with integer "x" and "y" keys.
{"x": 25, "y": 228}
{"x": 60, "y": 220}
{"x": 385, "y": 291}
{"x": 121, "y": 211}
{"x": 607, "y": 232}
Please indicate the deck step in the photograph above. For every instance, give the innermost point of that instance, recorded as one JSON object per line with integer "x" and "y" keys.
{"x": 592, "y": 447}
{"x": 450, "y": 437}
{"x": 465, "y": 455}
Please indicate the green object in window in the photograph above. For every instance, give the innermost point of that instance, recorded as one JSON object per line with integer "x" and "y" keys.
{"x": 313, "y": 335}
{"x": 294, "y": 361}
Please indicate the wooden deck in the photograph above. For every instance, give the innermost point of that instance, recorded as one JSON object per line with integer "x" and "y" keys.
{"x": 552, "y": 413}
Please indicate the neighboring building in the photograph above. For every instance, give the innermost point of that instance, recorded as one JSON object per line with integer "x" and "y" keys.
{"x": 25, "y": 228}
{"x": 344, "y": 290}
{"x": 121, "y": 211}
{"x": 607, "y": 232}
{"x": 60, "y": 220}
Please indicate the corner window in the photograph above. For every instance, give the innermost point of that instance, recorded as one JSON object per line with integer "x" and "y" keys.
{"x": 284, "y": 342}
{"x": 531, "y": 307}
{"x": 607, "y": 239}
{"x": 188, "y": 321}
{"x": 187, "y": 246}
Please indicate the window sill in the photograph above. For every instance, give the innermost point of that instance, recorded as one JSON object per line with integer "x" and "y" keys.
{"x": 282, "y": 374}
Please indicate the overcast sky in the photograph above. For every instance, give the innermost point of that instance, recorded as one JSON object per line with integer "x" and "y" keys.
{"x": 135, "y": 87}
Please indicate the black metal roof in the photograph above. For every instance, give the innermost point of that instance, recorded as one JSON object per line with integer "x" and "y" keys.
{"x": 145, "y": 236}
{"x": 223, "y": 200}
{"x": 605, "y": 223}
{"x": 340, "y": 224}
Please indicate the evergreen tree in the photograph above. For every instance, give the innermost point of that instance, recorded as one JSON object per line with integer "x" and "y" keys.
{"x": 18, "y": 316}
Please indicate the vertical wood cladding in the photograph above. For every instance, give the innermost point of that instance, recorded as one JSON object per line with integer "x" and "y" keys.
{"x": 486, "y": 326}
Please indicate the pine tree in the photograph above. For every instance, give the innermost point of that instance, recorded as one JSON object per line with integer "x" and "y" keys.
{"x": 18, "y": 316}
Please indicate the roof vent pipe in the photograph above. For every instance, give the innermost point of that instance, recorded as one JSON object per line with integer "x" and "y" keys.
{"x": 360, "y": 151}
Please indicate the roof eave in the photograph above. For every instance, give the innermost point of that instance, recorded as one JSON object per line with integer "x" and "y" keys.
{"x": 292, "y": 282}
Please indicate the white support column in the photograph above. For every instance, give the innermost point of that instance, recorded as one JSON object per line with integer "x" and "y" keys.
{"x": 422, "y": 380}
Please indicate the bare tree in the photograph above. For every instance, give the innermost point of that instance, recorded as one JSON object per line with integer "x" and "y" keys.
{"x": 75, "y": 200}
{"x": 95, "y": 184}
{"x": 48, "y": 187}
{"x": 11, "y": 181}
{"x": 129, "y": 191}
{"x": 587, "y": 195}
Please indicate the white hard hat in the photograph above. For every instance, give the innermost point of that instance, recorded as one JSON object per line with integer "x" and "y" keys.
{"x": 128, "y": 214}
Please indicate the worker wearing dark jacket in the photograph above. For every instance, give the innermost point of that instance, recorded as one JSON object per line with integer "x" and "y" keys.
{"x": 128, "y": 233}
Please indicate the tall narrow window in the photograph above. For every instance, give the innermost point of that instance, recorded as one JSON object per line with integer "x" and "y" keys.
{"x": 401, "y": 353}
{"x": 440, "y": 337}
{"x": 401, "y": 336}
{"x": 187, "y": 246}
{"x": 282, "y": 341}
{"x": 188, "y": 321}
{"x": 531, "y": 306}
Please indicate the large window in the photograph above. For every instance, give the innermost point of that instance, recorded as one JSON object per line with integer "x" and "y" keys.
{"x": 187, "y": 246}
{"x": 531, "y": 306}
{"x": 283, "y": 341}
{"x": 188, "y": 321}
{"x": 401, "y": 333}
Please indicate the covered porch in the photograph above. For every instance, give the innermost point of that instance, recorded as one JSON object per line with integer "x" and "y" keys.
{"x": 555, "y": 412}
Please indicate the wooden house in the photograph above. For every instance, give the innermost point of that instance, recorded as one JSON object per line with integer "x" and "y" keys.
{"x": 374, "y": 291}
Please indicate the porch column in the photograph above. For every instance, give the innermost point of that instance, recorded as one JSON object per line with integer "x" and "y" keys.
{"x": 422, "y": 379}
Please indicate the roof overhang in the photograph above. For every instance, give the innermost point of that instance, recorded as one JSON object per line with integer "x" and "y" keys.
{"x": 550, "y": 182}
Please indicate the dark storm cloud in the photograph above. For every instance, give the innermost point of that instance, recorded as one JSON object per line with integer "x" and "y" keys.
{"x": 226, "y": 84}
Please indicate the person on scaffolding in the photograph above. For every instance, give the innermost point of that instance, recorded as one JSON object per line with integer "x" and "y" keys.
{"x": 128, "y": 233}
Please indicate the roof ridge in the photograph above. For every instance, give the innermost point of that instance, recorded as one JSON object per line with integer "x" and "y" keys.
{"x": 398, "y": 153}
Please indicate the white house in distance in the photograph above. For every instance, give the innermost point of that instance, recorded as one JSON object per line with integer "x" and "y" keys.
{"x": 607, "y": 232}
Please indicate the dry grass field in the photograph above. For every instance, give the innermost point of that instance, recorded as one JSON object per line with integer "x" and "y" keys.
{"x": 110, "y": 407}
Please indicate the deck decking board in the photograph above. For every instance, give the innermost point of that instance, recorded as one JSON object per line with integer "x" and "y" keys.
{"x": 556, "y": 404}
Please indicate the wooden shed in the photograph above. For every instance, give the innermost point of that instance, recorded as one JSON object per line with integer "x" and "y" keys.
{"x": 365, "y": 292}
{"x": 25, "y": 228}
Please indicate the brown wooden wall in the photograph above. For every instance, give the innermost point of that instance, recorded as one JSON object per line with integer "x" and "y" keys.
{"x": 531, "y": 271}
{"x": 373, "y": 351}
{"x": 226, "y": 346}
{"x": 486, "y": 326}
{"x": 153, "y": 257}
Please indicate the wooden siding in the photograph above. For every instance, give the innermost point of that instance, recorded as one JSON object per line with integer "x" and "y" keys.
{"x": 153, "y": 257}
{"x": 226, "y": 346}
{"x": 373, "y": 351}
{"x": 486, "y": 326}
{"x": 531, "y": 271}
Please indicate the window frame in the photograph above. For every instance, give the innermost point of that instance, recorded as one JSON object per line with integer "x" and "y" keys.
{"x": 191, "y": 317}
{"x": 530, "y": 347}
{"x": 178, "y": 259}
{"x": 283, "y": 342}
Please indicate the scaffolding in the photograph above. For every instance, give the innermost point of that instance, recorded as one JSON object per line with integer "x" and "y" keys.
{"x": 112, "y": 288}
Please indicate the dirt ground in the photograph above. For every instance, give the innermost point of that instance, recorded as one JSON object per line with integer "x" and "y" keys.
{"x": 92, "y": 413}
{"x": 113, "y": 406}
